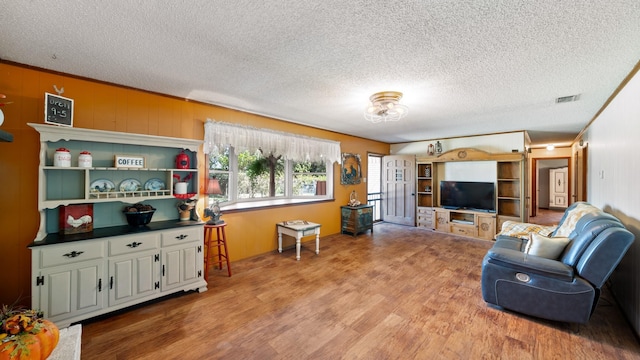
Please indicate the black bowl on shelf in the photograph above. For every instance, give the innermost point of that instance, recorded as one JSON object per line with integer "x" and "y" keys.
{"x": 139, "y": 218}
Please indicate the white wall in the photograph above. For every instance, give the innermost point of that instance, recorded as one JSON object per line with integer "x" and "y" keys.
{"x": 613, "y": 176}
{"x": 495, "y": 143}
{"x": 486, "y": 171}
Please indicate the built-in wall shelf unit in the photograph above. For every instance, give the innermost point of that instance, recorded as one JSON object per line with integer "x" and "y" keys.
{"x": 500, "y": 176}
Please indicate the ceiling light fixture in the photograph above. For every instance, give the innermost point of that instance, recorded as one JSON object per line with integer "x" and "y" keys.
{"x": 550, "y": 147}
{"x": 385, "y": 106}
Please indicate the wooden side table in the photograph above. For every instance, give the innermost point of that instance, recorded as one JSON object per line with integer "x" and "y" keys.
{"x": 220, "y": 241}
{"x": 298, "y": 229}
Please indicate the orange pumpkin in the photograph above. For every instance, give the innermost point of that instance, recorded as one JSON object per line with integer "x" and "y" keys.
{"x": 38, "y": 344}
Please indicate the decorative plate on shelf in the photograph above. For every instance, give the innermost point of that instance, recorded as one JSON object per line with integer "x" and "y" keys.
{"x": 154, "y": 184}
{"x": 130, "y": 185}
{"x": 102, "y": 185}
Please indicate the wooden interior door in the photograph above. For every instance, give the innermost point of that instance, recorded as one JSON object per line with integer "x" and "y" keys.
{"x": 398, "y": 189}
{"x": 558, "y": 188}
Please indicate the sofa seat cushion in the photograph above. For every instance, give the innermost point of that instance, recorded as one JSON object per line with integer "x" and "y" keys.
{"x": 546, "y": 247}
{"x": 522, "y": 230}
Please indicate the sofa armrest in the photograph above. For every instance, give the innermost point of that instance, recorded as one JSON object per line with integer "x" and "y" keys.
{"x": 509, "y": 242}
{"x": 530, "y": 264}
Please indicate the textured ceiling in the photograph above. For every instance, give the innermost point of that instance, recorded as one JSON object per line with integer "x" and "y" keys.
{"x": 465, "y": 67}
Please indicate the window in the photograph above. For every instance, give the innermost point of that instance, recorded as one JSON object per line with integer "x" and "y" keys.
{"x": 259, "y": 165}
{"x": 251, "y": 176}
{"x": 220, "y": 168}
{"x": 260, "y": 176}
{"x": 309, "y": 178}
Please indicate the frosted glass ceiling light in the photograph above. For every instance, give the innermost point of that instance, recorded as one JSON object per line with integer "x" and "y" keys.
{"x": 385, "y": 106}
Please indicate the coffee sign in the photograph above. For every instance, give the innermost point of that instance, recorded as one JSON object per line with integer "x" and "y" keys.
{"x": 127, "y": 161}
{"x": 58, "y": 110}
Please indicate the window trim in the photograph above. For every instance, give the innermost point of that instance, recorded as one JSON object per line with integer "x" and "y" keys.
{"x": 265, "y": 204}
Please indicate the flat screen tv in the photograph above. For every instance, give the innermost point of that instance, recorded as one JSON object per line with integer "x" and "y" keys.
{"x": 468, "y": 195}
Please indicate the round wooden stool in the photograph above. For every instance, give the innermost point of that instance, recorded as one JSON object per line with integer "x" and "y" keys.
{"x": 220, "y": 241}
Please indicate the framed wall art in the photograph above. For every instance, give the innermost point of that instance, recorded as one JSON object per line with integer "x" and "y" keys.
{"x": 74, "y": 219}
{"x": 351, "y": 169}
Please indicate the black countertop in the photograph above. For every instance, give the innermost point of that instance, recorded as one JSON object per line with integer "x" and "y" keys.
{"x": 56, "y": 238}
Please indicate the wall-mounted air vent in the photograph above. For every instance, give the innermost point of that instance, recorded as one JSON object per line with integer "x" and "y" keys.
{"x": 566, "y": 99}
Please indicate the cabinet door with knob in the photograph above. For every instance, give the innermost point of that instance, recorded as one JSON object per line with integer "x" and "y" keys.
{"x": 69, "y": 292}
{"x": 70, "y": 280}
{"x": 133, "y": 277}
{"x": 182, "y": 257}
{"x": 134, "y": 268}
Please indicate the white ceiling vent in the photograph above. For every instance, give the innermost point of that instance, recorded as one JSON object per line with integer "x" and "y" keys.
{"x": 566, "y": 99}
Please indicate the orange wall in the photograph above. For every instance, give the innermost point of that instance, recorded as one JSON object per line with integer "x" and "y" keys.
{"x": 116, "y": 108}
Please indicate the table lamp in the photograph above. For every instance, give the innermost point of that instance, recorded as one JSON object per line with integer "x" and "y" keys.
{"x": 214, "y": 213}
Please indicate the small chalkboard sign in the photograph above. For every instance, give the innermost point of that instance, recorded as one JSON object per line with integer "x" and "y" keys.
{"x": 58, "y": 110}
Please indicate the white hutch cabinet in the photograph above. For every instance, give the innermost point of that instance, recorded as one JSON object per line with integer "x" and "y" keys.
{"x": 82, "y": 275}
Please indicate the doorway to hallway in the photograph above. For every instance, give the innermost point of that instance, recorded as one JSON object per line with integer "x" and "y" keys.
{"x": 550, "y": 188}
{"x": 374, "y": 184}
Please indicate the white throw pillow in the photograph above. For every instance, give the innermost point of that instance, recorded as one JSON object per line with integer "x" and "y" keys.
{"x": 546, "y": 247}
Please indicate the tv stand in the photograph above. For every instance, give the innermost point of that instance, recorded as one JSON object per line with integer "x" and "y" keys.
{"x": 477, "y": 224}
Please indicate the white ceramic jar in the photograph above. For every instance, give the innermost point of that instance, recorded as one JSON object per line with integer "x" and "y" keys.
{"x": 62, "y": 158}
{"x": 180, "y": 188}
{"x": 85, "y": 160}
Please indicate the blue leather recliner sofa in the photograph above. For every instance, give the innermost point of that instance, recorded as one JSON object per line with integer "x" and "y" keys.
{"x": 564, "y": 289}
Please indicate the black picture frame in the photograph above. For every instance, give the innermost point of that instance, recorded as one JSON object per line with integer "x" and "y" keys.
{"x": 58, "y": 110}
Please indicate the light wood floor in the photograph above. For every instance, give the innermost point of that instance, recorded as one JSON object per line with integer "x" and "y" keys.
{"x": 401, "y": 293}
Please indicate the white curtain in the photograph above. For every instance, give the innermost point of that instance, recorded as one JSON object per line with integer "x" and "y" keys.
{"x": 218, "y": 135}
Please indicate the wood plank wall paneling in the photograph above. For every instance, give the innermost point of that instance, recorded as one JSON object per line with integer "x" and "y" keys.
{"x": 613, "y": 172}
{"x": 103, "y": 106}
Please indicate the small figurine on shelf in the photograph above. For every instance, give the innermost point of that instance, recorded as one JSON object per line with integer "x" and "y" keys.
{"x": 214, "y": 214}
{"x": 353, "y": 199}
